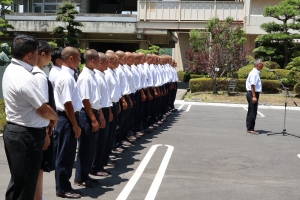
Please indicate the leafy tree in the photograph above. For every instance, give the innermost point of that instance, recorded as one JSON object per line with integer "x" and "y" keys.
{"x": 278, "y": 44}
{"x": 219, "y": 47}
{"x": 4, "y": 10}
{"x": 68, "y": 35}
{"x": 165, "y": 51}
{"x": 152, "y": 50}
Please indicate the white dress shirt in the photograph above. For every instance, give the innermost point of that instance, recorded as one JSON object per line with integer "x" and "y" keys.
{"x": 22, "y": 95}
{"x": 103, "y": 89}
{"x": 123, "y": 80}
{"x": 254, "y": 79}
{"x": 53, "y": 74}
{"x": 136, "y": 77}
{"x": 66, "y": 90}
{"x": 41, "y": 78}
{"x": 130, "y": 79}
{"x": 154, "y": 75}
{"x": 88, "y": 88}
{"x": 149, "y": 75}
{"x": 113, "y": 85}
{"x": 143, "y": 74}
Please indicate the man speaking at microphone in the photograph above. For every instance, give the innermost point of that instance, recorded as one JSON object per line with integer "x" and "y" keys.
{"x": 253, "y": 87}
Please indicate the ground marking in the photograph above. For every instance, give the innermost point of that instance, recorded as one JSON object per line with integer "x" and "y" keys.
{"x": 257, "y": 112}
{"x": 180, "y": 107}
{"x": 160, "y": 174}
{"x": 188, "y": 108}
{"x": 298, "y": 155}
{"x": 135, "y": 177}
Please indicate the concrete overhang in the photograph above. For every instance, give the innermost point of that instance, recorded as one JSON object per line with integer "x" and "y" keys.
{"x": 176, "y": 25}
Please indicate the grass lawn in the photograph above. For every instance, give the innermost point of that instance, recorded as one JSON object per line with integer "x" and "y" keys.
{"x": 240, "y": 98}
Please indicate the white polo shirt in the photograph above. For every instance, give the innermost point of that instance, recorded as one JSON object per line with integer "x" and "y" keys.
{"x": 66, "y": 90}
{"x": 41, "y": 78}
{"x": 88, "y": 88}
{"x": 53, "y": 74}
{"x": 103, "y": 89}
{"x": 22, "y": 95}
{"x": 113, "y": 85}
{"x": 123, "y": 80}
{"x": 130, "y": 79}
{"x": 254, "y": 79}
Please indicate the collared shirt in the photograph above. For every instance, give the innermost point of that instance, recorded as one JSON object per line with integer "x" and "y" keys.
{"x": 154, "y": 75}
{"x": 113, "y": 85}
{"x": 88, "y": 88}
{"x": 254, "y": 79}
{"x": 123, "y": 80}
{"x": 130, "y": 79}
{"x": 66, "y": 90}
{"x": 136, "y": 77}
{"x": 53, "y": 74}
{"x": 143, "y": 76}
{"x": 22, "y": 95}
{"x": 149, "y": 75}
{"x": 103, "y": 89}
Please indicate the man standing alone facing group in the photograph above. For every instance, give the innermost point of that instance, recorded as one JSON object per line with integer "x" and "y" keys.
{"x": 253, "y": 87}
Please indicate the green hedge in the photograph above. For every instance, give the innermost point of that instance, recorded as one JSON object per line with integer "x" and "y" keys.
{"x": 185, "y": 77}
{"x": 205, "y": 84}
{"x": 271, "y": 65}
{"x": 2, "y": 115}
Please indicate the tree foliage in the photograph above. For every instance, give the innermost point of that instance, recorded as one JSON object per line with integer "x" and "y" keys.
{"x": 5, "y": 4}
{"x": 151, "y": 50}
{"x": 68, "y": 35}
{"x": 277, "y": 45}
{"x": 219, "y": 47}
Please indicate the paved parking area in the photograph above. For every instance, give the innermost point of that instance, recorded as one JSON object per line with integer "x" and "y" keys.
{"x": 202, "y": 152}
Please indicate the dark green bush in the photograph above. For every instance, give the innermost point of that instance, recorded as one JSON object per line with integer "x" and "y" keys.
{"x": 192, "y": 76}
{"x": 294, "y": 64}
{"x": 297, "y": 88}
{"x": 180, "y": 75}
{"x": 186, "y": 77}
{"x": 271, "y": 65}
{"x": 205, "y": 84}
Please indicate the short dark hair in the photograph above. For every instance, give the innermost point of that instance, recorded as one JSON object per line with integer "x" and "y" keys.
{"x": 44, "y": 47}
{"x": 22, "y": 45}
{"x": 56, "y": 54}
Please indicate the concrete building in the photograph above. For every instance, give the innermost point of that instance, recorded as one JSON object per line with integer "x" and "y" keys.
{"x": 131, "y": 24}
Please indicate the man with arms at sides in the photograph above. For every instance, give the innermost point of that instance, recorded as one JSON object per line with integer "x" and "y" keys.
{"x": 57, "y": 63}
{"x": 253, "y": 87}
{"x": 90, "y": 119}
{"x": 67, "y": 131}
{"x": 115, "y": 95}
{"x": 106, "y": 104}
{"x": 27, "y": 116}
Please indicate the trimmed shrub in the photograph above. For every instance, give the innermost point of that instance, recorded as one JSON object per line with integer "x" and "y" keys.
{"x": 297, "y": 88}
{"x": 250, "y": 59}
{"x": 2, "y": 115}
{"x": 192, "y": 76}
{"x": 205, "y": 84}
{"x": 180, "y": 75}
{"x": 186, "y": 77}
{"x": 294, "y": 64}
{"x": 264, "y": 74}
{"x": 271, "y": 65}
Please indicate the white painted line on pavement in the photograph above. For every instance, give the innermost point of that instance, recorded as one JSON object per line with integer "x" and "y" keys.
{"x": 298, "y": 155}
{"x": 135, "y": 177}
{"x": 188, "y": 108}
{"x": 160, "y": 174}
{"x": 180, "y": 107}
{"x": 257, "y": 112}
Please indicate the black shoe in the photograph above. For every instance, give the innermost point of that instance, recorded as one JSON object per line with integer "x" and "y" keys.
{"x": 87, "y": 183}
{"x": 94, "y": 181}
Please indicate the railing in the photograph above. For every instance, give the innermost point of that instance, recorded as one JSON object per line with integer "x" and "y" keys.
{"x": 189, "y": 10}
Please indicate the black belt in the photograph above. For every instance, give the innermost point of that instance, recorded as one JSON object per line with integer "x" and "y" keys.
{"x": 64, "y": 112}
{"x": 37, "y": 128}
{"x": 115, "y": 103}
{"x": 94, "y": 110}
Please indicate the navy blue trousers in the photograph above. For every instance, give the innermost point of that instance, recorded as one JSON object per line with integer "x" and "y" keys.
{"x": 98, "y": 164}
{"x": 65, "y": 145}
{"x": 86, "y": 146}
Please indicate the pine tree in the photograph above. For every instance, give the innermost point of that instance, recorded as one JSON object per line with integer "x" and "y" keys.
{"x": 68, "y": 35}
{"x": 4, "y": 10}
{"x": 277, "y": 45}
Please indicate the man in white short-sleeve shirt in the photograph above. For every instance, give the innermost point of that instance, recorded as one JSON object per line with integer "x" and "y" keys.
{"x": 57, "y": 63}
{"x": 27, "y": 116}
{"x": 253, "y": 87}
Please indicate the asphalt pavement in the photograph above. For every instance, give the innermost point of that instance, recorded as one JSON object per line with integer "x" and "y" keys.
{"x": 202, "y": 152}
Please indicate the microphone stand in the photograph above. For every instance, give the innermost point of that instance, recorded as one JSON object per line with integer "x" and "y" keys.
{"x": 287, "y": 94}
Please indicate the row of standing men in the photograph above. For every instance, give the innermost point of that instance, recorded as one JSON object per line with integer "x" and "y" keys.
{"x": 118, "y": 97}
